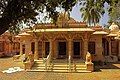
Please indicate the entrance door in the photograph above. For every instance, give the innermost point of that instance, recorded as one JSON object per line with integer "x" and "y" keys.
{"x": 61, "y": 49}
{"x": 76, "y": 50}
{"x": 105, "y": 45}
{"x": 47, "y": 45}
{"x": 33, "y": 47}
{"x": 23, "y": 49}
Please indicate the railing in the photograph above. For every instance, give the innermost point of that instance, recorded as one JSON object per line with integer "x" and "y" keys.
{"x": 74, "y": 65}
{"x": 69, "y": 60}
{"x": 48, "y": 61}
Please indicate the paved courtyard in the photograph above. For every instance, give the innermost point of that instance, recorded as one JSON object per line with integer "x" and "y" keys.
{"x": 109, "y": 72}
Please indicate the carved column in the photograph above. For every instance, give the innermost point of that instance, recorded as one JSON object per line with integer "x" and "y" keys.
{"x": 43, "y": 49}
{"x": 21, "y": 48}
{"x": 85, "y": 48}
{"x": 70, "y": 47}
{"x": 109, "y": 47}
{"x": 51, "y": 47}
{"x": 36, "y": 56}
{"x": 85, "y": 45}
{"x": 99, "y": 48}
{"x": 27, "y": 47}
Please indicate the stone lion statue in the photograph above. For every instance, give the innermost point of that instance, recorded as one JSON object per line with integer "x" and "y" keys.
{"x": 88, "y": 57}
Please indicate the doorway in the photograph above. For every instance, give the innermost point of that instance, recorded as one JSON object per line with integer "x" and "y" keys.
{"x": 33, "y": 47}
{"x": 23, "y": 49}
{"x": 61, "y": 49}
{"x": 47, "y": 48}
{"x": 76, "y": 49}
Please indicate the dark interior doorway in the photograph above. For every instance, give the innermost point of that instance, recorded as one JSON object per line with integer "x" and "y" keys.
{"x": 76, "y": 49}
{"x": 23, "y": 49}
{"x": 47, "y": 48}
{"x": 62, "y": 49}
{"x": 33, "y": 47}
{"x": 105, "y": 45}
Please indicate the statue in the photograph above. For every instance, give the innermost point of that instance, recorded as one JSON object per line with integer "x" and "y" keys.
{"x": 88, "y": 58}
{"x": 31, "y": 56}
{"x": 89, "y": 64}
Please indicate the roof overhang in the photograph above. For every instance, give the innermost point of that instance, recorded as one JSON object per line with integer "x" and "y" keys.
{"x": 100, "y": 33}
{"x": 112, "y": 35}
{"x": 24, "y": 34}
{"x": 64, "y": 30}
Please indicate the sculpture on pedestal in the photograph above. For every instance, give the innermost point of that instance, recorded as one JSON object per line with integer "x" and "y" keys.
{"x": 88, "y": 58}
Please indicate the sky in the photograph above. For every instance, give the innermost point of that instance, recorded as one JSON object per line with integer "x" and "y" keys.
{"x": 76, "y": 14}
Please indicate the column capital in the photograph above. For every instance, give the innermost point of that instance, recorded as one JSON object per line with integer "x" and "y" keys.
{"x": 85, "y": 39}
{"x": 70, "y": 39}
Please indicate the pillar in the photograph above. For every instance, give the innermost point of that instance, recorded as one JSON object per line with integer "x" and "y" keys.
{"x": 36, "y": 56}
{"x": 85, "y": 48}
{"x": 69, "y": 52}
{"x": 43, "y": 49}
{"x": 51, "y": 47}
{"x": 21, "y": 49}
{"x": 27, "y": 48}
{"x": 70, "y": 47}
{"x": 99, "y": 48}
{"x": 110, "y": 47}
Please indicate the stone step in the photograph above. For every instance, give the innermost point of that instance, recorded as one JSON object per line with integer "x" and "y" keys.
{"x": 35, "y": 70}
{"x": 81, "y": 71}
{"x": 38, "y": 68}
{"x": 61, "y": 71}
{"x": 60, "y": 68}
{"x": 38, "y": 65}
{"x": 83, "y": 66}
{"x": 60, "y": 65}
{"x": 79, "y": 63}
{"x": 80, "y": 68}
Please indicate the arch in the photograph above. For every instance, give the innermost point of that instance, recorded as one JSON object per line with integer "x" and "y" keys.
{"x": 43, "y": 38}
{"x": 60, "y": 37}
{"x": 77, "y": 37}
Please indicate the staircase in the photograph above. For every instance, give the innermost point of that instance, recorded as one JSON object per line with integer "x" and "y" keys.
{"x": 79, "y": 66}
{"x": 39, "y": 65}
{"x": 60, "y": 65}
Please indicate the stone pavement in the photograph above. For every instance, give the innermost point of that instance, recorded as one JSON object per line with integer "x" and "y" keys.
{"x": 102, "y": 74}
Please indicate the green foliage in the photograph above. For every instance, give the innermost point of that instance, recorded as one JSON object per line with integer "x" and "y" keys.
{"x": 115, "y": 12}
{"x": 14, "y": 11}
{"x": 92, "y": 11}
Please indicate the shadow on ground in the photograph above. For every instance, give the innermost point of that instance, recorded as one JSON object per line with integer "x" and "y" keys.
{"x": 108, "y": 65}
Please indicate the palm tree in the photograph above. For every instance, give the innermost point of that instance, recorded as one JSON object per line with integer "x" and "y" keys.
{"x": 92, "y": 10}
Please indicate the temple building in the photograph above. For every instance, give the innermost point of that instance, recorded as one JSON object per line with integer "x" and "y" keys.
{"x": 9, "y": 45}
{"x": 69, "y": 42}
{"x": 70, "y": 38}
